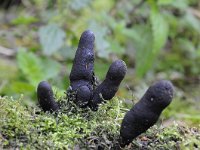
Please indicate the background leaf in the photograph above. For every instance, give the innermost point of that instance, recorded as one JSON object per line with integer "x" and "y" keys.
{"x": 24, "y": 19}
{"x": 101, "y": 43}
{"x": 165, "y": 2}
{"x": 143, "y": 47}
{"x": 30, "y": 65}
{"x": 77, "y": 4}
{"x": 36, "y": 69}
{"x": 52, "y": 38}
{"x": 51, "y": 68}
{"x": 159, "y": 30}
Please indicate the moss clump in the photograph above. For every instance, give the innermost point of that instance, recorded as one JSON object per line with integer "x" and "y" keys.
{"x": 172, "y": 137}
{"x": 30, "y": 128}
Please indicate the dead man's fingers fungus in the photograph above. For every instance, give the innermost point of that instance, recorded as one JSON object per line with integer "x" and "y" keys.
{"x": 46, "y": 97}
{"x": 82, "y": 73}
{"x": 146, "y": 112}
{"x": 83, "y": 90}
{"x": 108, "y": 88}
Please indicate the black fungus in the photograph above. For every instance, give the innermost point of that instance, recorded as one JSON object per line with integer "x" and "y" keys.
{"x": 46, "y": 97}
{"x": 82, "y": 73}
{"x": 146, "y": 112}
{"x": 82, "y": 81}
{"x": 107, "y": 89}
{"x": 83, "y": 90}
{"x": 83, "y": 64}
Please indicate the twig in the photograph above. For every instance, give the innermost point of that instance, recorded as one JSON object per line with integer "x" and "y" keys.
{"x": 195, "y": 12}
{"x": 7, "y": 52}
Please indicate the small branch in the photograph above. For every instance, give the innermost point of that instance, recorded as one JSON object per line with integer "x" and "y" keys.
{"x": 195, "y": 12}
{"x": 7, "y": 52}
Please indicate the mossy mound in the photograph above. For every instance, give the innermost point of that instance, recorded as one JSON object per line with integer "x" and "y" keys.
{"x": 28, "y": 127}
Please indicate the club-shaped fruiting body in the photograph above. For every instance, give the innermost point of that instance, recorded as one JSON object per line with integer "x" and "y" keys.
{"x": 82, "y": 73}
{"x": 107, "y": 89}
{"x": 83, "y": 64}
{"x": 83, "y": 90}
{"x": 146, "y": 112}
{"x": 46, "y": 97}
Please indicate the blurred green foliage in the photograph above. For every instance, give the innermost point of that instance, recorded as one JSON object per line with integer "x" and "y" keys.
{"x": 36, "y": 69}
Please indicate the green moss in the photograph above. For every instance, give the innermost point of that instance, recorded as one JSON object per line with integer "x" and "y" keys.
{"x": 172, "y": 137}
{"x": 28, "y": 127}
{"x": 186, "y": 110}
